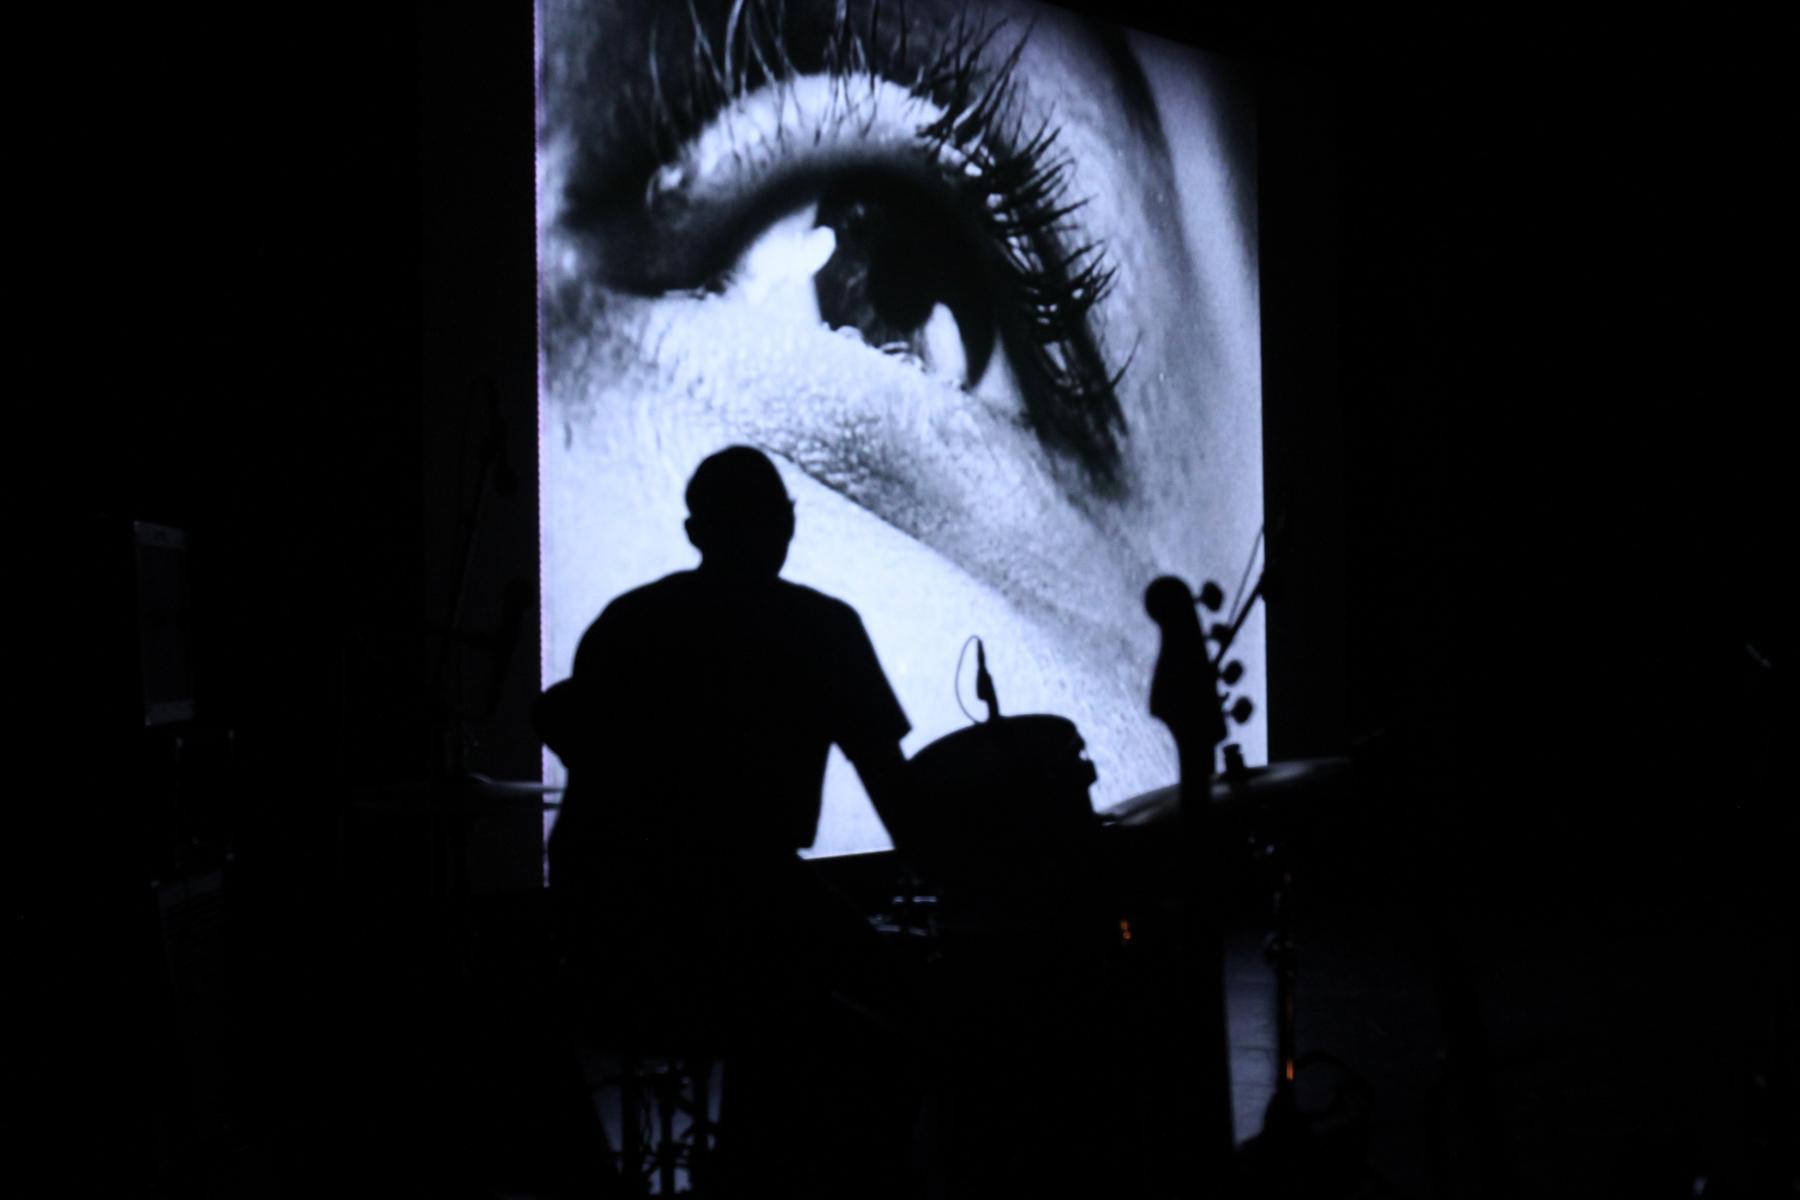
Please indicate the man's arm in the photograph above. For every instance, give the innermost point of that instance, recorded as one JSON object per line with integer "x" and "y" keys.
{"x": 883, "y": 771}
{"x": 561, "y": 720}
{"x": 566, "y": 716}
{"x": 870, "y": 724}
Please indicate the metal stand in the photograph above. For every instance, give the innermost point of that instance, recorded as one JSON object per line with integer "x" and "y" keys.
{"x": 666, "y": 1128}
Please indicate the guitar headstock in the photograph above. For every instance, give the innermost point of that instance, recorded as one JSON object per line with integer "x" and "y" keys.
{"x": 1212, "y": 598}
{"x": 1184, "y": 692}
{"x": 1184, "y": 687}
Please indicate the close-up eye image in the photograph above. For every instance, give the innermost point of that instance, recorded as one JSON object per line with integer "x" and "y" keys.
{"x": 979, "y": 279}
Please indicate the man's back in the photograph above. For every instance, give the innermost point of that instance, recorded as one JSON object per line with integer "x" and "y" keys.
{"x": 709, "y": 707}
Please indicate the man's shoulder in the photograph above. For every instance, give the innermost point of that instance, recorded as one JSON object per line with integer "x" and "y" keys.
{"x": 801, "y": 596}
{"x": 650, "y": 596}
{"x": 632, "y": 615}
{"x": 691, "y": 582}
{"x": 685, "y": 595}
{"x": 820, "y": 613}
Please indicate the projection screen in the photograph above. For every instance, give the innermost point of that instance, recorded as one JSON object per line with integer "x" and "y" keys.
{"x": 981, "y": 279}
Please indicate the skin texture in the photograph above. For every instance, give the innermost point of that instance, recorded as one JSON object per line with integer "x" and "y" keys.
{"x": 933, "y": 509}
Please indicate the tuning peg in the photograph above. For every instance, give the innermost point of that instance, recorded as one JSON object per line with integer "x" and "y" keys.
{"x": 1211, "y": 597}
{"x": 1220, "y": 632}
{"x": 1234, "y": 671}
{"x": 1240, "y": 712}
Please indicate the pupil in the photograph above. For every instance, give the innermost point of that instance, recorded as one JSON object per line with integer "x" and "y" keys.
{"x": 893, "y": 264}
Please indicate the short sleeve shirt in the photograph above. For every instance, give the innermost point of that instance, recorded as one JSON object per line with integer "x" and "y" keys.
{"x": 712, "y": 710}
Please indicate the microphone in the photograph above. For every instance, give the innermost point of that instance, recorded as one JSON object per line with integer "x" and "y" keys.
{"x": 984, "y": 683}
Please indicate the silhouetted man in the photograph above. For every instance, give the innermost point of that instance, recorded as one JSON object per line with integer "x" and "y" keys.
{"x": 695, "y": 727}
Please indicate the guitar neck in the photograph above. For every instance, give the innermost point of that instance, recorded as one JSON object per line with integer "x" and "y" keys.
{"x": 1237, "y": 622}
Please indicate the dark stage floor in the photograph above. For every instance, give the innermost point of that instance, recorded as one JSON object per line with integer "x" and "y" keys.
{"x": 1619, "y": 1042}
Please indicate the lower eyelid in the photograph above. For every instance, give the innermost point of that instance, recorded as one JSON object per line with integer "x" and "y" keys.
{"x": 826, "y": 399}
{"x": 959, "y": 473}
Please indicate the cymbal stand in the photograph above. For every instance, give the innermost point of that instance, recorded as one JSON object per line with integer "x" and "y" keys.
{"x": 1280, "y": 951}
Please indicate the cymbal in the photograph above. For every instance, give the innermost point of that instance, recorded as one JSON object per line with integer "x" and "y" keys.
{"x": 1257, "y": 785}
{"x": 511, "y": 787}
{"x": 420, "y": 796}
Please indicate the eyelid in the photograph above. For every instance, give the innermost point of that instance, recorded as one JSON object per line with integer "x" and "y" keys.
{"x": 764, "y": 156}
{"x": 809, "y": 114}
{"x": 1050, "y": 278}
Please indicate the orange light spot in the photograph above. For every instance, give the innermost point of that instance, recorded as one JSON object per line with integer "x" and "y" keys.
{"x": 1124, "y": 930}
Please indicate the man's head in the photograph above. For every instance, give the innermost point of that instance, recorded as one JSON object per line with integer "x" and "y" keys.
{"x": 739, "y": 515}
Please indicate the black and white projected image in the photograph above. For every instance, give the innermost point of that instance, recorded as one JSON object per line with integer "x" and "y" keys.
{"x": 980, "y": 278}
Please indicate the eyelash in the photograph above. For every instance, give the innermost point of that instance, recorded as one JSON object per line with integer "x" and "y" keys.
{"x": 1020, "y": 195}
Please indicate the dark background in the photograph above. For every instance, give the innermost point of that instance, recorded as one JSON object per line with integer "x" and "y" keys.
{"x": 1525, "y": 281}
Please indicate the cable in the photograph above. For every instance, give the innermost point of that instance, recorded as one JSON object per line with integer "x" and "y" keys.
{"x": 1243, "y": 579}
{"x": 956, "y": 680}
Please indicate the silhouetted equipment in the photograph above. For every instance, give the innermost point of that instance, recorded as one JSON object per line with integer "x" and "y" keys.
{"x": 1000, "y": 809}
{"x": 984, "y": 683}
{"x": 1295, "y": 1154}
{"x": 1025, "y": 869}
{"x": 1254, "y": 787}
{"x": 512, "y": 792}
{"x": 165, "y": 623}
{"x": 191, "y": 912}
{"x": 143, "y": 636}
{"x": 662, "y": 1064}
{"x": 1263, "y": 803}
{"x": 1184, "y": 695}
{"x": 1023, "y": 969}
